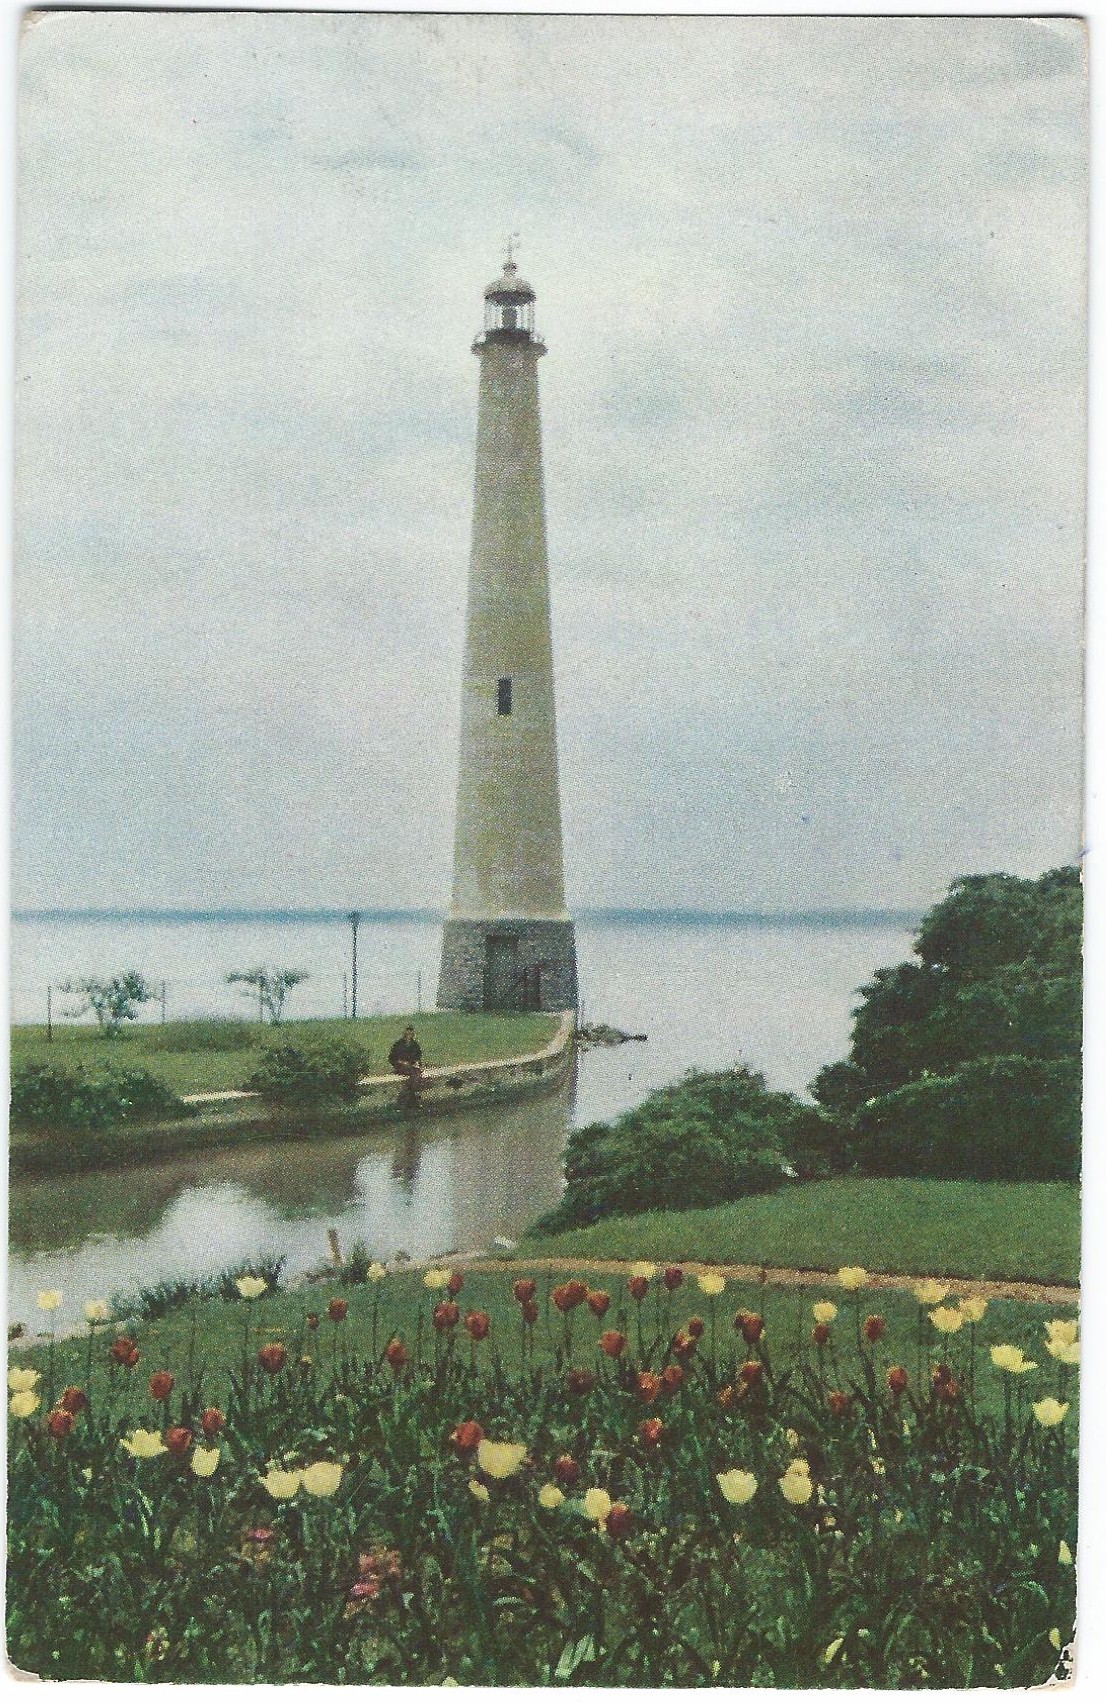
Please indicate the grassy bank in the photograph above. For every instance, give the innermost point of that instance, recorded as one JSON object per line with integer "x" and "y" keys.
{"x": 210, "y": 1054}
{"x": 1014, "y": 1230}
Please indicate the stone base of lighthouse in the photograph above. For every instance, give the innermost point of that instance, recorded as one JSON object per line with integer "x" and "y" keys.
{"x": 510, "y": 964}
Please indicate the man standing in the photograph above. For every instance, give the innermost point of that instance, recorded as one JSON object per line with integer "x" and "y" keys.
{"x": 405, "y": 1057}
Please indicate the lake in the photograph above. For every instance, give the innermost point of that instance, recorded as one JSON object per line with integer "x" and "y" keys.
{"x": 708, "y": 993}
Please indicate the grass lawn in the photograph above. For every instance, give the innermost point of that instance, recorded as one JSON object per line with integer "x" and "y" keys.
{"x": 210, "y": 1054}
{"x": 1013, "y": 1230}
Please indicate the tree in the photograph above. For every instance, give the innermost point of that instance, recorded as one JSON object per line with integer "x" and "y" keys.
{"x": 270, "y": 987}
{"x": 115, "y": 1001}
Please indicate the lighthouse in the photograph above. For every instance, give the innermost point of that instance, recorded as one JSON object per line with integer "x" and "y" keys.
{"x": 508, "y": 943}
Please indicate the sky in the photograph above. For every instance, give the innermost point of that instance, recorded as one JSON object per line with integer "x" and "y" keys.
{"x": 813, "y": 410}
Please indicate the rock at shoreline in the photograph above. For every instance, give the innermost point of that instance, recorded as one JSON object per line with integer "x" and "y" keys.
{"x": 603, "y": 1035}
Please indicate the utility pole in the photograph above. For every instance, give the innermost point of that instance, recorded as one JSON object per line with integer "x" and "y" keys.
{"x": 354, "y": 919}
{"x": 49, "y": 1014}
{"x": 345, "y": 994}
{"x": 419, "y": 995}
{"x": 163, "y": 1002}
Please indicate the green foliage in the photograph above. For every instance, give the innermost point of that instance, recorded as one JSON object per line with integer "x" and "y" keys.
{"x": 49, "y": 1097}
{"x": 114, "y": 1000}
{"x": 709, "y": 1137}
{"x": 324, "y": 1072}
{"x": 158, "y": 1300}
{"x": 270, "y": 987}
{"x": 992, "y": 1010}
{"x": 202, "y": 1035}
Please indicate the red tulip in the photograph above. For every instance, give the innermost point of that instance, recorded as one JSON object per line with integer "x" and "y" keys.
{"x": 752, "y": 1327}
{"x": 212, "y": 1422}
{"x": 396, "y": 1355}
{"x": 456, "y": 1283}
{"x": 620, "y": 1521}
{"x": 122, "y": 1349}
{"x": 73, "y": 1400}
{"x": 838, "y": 1402}
{"x": 530, "y": 1312}
{"x": 467, "y": 1436}
{"x": 178, "y": 1439}
{"x": 337, "y": 1310}
{"x": 524, "y": 1290}
{"x": 446, "y": 1315}
{"x": 695, "y": 1328}
{"x": 272, "y": 1358}
{"x": 478, "y": 1325}
{"x": 673, "y": 1277}
{"x": 565, "y": 1470}
{"x": 752, "y": 1372}
{"x": 612, "y": 1342}
{"x": 638, "y": 1287}
{"x": 580, "y": 1383}
{"x": 60, "y": 1422}
{"x": 651, "y": 1431}
{"x": 312, "y": 1321}
{"x": 569, "y": 1295}
{"x": 598, "y": 1301}
{"x": 897, "y": 1380}
{"x": 820, "y": 1334}
{"x": 161, "y": 1385}
{"x": 672, "y": 1377}
{"x": 874, "y": 1327}
{"x": 683, "y": 1346}
{"x": 649, "y": 1386}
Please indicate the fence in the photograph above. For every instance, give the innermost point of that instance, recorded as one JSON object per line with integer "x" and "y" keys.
{"x": 326, "y": 993}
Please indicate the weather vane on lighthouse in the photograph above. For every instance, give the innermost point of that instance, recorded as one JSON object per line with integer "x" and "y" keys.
{"x": 508, "y": 943}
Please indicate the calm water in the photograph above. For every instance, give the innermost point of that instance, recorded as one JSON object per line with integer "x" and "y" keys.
{"x": 777, "y": 996}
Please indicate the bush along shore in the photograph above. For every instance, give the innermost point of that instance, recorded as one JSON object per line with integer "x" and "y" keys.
{"x": 647, "y": 1488}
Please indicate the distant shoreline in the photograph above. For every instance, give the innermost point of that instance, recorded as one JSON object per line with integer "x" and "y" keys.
{"x": 676, "y": 918}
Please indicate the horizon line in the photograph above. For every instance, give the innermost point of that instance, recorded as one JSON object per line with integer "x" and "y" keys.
{"x": 328, "y": 913}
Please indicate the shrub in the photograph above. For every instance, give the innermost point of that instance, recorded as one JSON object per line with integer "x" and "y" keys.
{"x": 312, "y": 1073}
{"x": 48, "y": 1096}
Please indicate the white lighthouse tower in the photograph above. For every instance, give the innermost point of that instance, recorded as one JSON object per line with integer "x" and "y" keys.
{"x": 508, "y": 943}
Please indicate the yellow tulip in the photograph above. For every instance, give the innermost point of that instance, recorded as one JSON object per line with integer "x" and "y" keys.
{"x": 143, "y": 1445}
{"x": 23, "y": 1404}
{"x": 597, "y": 1505}
{"x": 643, "y": 1269}
{"x": 1066, "y": 1352}
{"x": 947, "y": 1320}
{"x": 973, "y": 1308}
{"x": 500, "y": 1460}
{"x": 793, "y": 1439}
{"x": 435, "y": 1278}
{"x": 480, "y": 1491}
{"x": 796, "y": 1486}
{"x": 1062, "y": 1330}
{"x": 550, "y": 1496}
{"x": 824, "y": 1312}
{"x": 322, "y": 1478}
{"x": 96, "y": 1312}
{"x": 1049, "y": 1411}
{"x": 250, "y": 1287}
{"x": 1065, "y": 1556}
{"x": 852, "y": 1277}
{"x": 281, "y": 1484}
{"x": 930, "y": 1293}
{"x": 711, "y": 1282}
{"x": 22, "y": 1377}
{"x": 376, "y": 1272}
{"x": 49, "y": 1300}
{"x": 204, "y": 1462}
{"x": 736, "y": 1486}
{"x": 1010, "y": 1359}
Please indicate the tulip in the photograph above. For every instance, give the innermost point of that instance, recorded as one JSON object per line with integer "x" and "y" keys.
{"x": 478, "y": 1325}
{"x": 737, "y": 1486}
{"x": 683, "y": 1345}
{"x": 212, "y": 1422}
{"x": 1063, "y": 1330}
{"x": 947, "y": 1320}
{"x": 897, "y": 1380}
{"x": 480, "y": 1491}
{"x": 751, "y": 1327}
{"x": 22, "y": 1378}
{"x": 73, "y": 1400}
{"x": 825, "y": 1312}
{"x": 620, "y": 1521}
{"x": 281, "y": 1483}
{"x": 272, "y": 1358}
{"x": 204, "y": 1461}
{"x": 930, "y": 1293}
{"x": 874, "y": 1327}
{"x": 672, "y": 1377}
{"x": 566, "y": 1470}
{"x": 852, "y": 1277}
{"x": 455, "y": 1283}
{"x": 580, "y": 1383}
{"x": 435, "y": 1278}
{"x": 946, "y": 1388}
{"x": 550, "y": 1497}
{"x": 695, "y": 1329}
{"x": 752, "y": 1373}
{"x": 838, "y": 1403}
{"x": 337, "y": 1310}
{"x": 396, "y": 1355}
{"x": 795, "y": 1483}
{"x": 597, "y": 1506}
{"x": 649, "y": 1386}
{"x": 524, "y": 1290}
{"x": 161, "y": 1385}
{"x": 1066, "y": 1352}
{"x": 312, "y": 1321}
{"x": 96, "y": 1312}
{"x": 178, "y": 1439}
{"x": 1010, "y": 1359}
{"x": 673, "y": 1277}
{"x": 651, "y": 1431}
{"x": 566, "y": 1296}
{"x": 23, "y": 1404}
{"x": 376, "y": 1272}
{"x": 638, "y": 1287}
{"x": 973, "y": 1308}
{"x": 1049, "y": 1411}
{"x": 612, "y": 1343}
{"x": 467, "y": 1436}
{"x": 322, "y": 1478}
{"x": 49, "y": 1300}
{"x": 598, "y": 1301}
{"x": 820, "y": 1334}
{"x": 124, "y": 1351}
{"x": 446, "y": 1314}
{"x": 500, "y": 1460}
{"x": 711, "y": 1282}
{"x": 143, "y": 1445}
{"x": 60, "y": 1423}
{"x": 250, "y": 1287}
{"x": 530, "y": 1312}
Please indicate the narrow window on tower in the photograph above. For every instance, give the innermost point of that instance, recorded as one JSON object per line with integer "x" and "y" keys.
{"x": 503, "y": 699}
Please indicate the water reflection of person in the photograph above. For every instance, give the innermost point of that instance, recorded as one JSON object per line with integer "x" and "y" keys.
{"x": 407, "y": 1156}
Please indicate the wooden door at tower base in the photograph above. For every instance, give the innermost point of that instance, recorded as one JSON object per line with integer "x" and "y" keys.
{"x": 501, "y": 982}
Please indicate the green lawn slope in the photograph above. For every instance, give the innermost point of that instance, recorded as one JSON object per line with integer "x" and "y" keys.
{"x": 996, "y": 1230}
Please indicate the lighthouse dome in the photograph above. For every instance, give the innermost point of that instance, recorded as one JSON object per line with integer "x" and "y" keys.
{"x": 509, "y": 287}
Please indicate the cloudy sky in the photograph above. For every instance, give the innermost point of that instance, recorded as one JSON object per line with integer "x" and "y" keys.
{"x": 813, "y": 292}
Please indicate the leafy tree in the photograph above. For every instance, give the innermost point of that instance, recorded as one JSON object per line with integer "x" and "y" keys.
{"x": 270, "y": 987}
{"x": 114, "y": 1000}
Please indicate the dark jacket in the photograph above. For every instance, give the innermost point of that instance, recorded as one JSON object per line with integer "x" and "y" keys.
{"x": 405, "y": 1052}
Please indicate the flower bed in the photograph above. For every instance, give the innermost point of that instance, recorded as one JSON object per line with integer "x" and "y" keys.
{"x": 649, "y": 1489}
